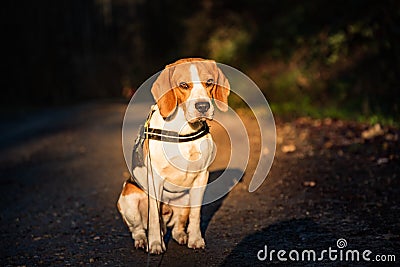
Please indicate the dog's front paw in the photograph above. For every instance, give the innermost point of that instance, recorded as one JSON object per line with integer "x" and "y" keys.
{"x": 196, "y": 243}
{"x": 157, "y": 247}
{"x": 140, "y": 241}
{"x": 180, "y": 237}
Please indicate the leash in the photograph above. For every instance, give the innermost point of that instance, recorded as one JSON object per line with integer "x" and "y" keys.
{"x": 149, "y": 166}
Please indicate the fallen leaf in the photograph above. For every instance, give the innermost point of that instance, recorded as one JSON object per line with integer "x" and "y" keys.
{"x": 328, "y": 121}
{"x": 309, "y": 183}
{"x": 372, "y": 132}
{"x": 317, "y": 123}
{"x": 288, "y": 148}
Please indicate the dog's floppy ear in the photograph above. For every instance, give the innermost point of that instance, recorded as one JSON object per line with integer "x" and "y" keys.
{"x": 221, "y": 91}
{"x": 164, "y": 94}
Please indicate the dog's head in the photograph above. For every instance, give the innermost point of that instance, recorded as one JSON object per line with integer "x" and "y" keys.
{"x": 191, "y": 83}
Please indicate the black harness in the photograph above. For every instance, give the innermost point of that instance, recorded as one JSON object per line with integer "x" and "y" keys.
{"x": 147, "y": 133}
{"x": 174, "y": 137}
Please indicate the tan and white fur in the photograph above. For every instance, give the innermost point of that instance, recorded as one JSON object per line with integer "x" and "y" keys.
{"x": 175, "y": 175}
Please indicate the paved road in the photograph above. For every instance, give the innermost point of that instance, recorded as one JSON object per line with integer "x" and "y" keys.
{"x": 60, "y": 180}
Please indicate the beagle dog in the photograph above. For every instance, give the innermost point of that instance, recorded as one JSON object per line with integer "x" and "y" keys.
{"x": 172, "y": 154}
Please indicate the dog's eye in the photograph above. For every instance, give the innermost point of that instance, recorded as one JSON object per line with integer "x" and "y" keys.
{"x": 183, "y": 85}
{"x": 209, "y": 82}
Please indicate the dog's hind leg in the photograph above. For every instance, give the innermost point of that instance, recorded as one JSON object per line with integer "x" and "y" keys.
{"x": 179, "y": 221}
{"x": 132, "y": 204}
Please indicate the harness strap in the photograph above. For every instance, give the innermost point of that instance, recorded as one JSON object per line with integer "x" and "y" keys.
{"x": 174, "y": 137}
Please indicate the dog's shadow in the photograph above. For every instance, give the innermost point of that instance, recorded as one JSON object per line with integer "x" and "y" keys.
{"x": 227, "y": 179}
{"x": 220, "y": 182}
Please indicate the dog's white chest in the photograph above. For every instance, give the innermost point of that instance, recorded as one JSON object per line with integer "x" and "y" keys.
{"x": 180, "y": 163}
{"x": 191, "y": 156}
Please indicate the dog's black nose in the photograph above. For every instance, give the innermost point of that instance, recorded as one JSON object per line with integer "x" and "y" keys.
{"x": 202, "y": 107}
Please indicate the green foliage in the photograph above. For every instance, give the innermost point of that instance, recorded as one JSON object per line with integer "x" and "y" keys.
{"x": 337, "y": 44}
{"x": 225, "y": 44}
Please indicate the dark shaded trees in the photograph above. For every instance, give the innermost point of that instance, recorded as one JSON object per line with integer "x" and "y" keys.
{"x": 310, "y": 54}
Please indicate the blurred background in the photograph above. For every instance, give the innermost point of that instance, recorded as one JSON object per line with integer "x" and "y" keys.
{"x": 336, "y": 59}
